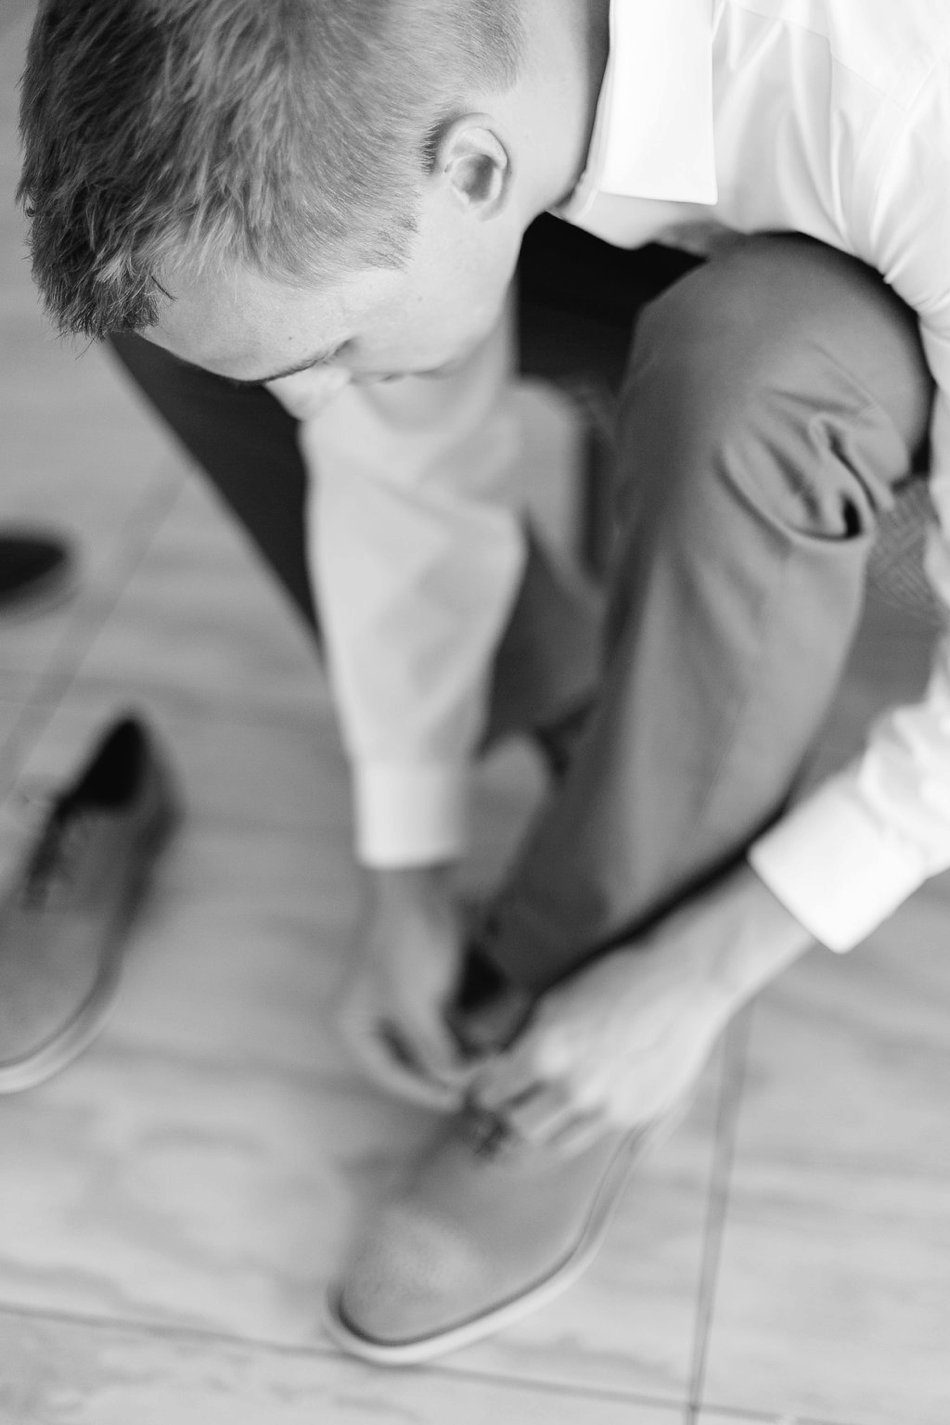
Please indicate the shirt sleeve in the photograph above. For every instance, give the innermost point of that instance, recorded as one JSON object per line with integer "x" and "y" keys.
{"x": 416, "y": 552}
{"x": 849, "y": 854}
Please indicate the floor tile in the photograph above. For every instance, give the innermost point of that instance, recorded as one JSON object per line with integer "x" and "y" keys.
{"x": 202, "y": 616}
{"x": 14, "y": 706}
{"x": 54, "y": 1373}
{"x": 65, "y": 477}
{"x": 12, "y": 10}
{"x": 725, "y": 1417}
{"x": 834, "y": 1286}
{"x": 834, "y": 1298}
{"x": 39, "y": 657}
{"x": 103, "y": 513}
{"x": 848, "y": 1064}
{"x": 79, "y": 456}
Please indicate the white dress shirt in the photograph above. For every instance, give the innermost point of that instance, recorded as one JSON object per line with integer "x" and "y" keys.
{"x": 416, "y": 551}
{"x": 716, "y": 117}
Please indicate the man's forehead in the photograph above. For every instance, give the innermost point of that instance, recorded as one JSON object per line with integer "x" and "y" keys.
{"x": 244, "y": 325}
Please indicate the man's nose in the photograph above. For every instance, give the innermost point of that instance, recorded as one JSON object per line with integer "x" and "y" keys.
{"x": 306, "y": 393}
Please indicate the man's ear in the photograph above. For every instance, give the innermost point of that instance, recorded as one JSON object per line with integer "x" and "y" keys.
{"x": 468, "y": 154}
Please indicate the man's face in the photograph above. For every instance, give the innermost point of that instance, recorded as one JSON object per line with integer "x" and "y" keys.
{"x": 372, "y": 325}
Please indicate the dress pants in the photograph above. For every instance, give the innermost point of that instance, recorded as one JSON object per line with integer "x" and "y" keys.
{"x": 775, "y": 398}
{"x": 775, "y": 402}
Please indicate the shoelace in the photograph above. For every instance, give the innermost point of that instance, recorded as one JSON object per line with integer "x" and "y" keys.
{"x": 488, "y": 1135}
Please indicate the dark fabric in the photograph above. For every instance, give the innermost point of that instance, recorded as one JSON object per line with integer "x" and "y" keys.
{"x": 578, "y": 297}
{"x": 246, "y": 444}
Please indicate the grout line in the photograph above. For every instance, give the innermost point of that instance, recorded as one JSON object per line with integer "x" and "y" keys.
{"x": 191, "y": 1335}
{"x": 560, "y": 1389}
{"x": 734, "y": 1415}
{"x": 65, "y": 662}
{"x": 158, "y": 1330}
{"x": 733, "y": 1074}
{"x": 209, "y": 1336}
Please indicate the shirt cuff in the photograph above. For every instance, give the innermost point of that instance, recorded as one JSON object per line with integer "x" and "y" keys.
{"x": 836, "y": 867}
{"x": 410, "y": 814}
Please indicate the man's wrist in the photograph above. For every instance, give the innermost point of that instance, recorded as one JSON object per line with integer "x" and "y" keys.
{"x": 762, "y": 938}
{"x": 410, "y": 814}
{"x": 398, "y": 885}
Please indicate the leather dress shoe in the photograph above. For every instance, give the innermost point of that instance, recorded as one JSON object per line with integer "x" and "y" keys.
{"x": 64, "y": 918}
{"x": 478, "y": 1239}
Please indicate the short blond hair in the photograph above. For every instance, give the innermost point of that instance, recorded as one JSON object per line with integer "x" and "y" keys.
{"x": 288, "y": 135}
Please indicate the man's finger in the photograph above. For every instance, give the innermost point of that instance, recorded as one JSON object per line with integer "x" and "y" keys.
{"x": 508, "y": 1078}
{"x": 578, "y": 1135}
{"x": 541, "y": 1116}
{"x": 384, "y": 1059}
{"x": 432, "y": 1053}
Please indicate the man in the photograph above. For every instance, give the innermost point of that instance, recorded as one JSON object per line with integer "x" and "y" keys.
{"x": 321, "y": 196}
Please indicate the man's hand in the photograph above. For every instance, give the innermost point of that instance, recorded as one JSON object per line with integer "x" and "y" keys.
{"x": 402, "y": 975}
{"x": 625, "y": 1038}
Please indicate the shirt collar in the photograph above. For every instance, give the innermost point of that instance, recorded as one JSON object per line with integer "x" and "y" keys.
{"x": 653, "y": 132}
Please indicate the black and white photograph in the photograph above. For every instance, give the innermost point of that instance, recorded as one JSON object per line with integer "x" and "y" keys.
{"x": 475, "y": 712}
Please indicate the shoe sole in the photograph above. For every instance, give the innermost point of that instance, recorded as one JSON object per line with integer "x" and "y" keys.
{"x": 630, "y": 1153}
{"x": 85, "y": 1026}
{"x": 16, "y": 1076}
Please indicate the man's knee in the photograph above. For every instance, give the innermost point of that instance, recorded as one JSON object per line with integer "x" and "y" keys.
{"x": 786, "y": 366}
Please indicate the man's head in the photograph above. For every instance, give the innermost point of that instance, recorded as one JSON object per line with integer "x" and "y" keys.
{"x": 200, "y": 167}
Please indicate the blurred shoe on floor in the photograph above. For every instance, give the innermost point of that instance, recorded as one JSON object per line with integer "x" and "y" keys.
{"x": 37, "y": 572}
{"x": 65, "y": 917}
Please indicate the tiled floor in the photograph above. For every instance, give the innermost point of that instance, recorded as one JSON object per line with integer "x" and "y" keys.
{"x": 171, "y": 1208}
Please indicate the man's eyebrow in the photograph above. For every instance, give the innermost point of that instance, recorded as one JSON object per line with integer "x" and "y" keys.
{"x": 316, "y": 359}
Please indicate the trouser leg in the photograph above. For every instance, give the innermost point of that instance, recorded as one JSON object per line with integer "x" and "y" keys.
{"x": 548, "y": 662}
{"x": 773, "y": 399}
